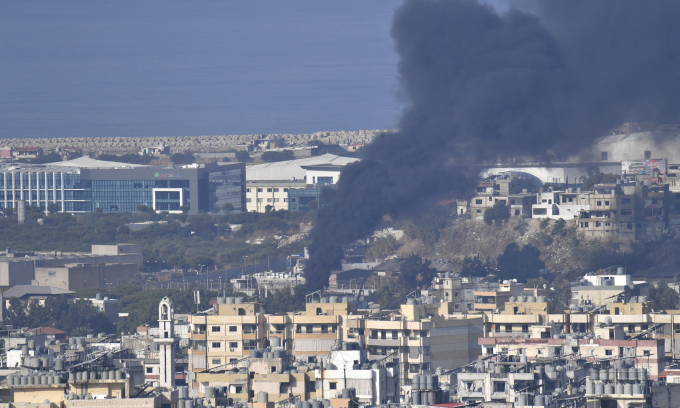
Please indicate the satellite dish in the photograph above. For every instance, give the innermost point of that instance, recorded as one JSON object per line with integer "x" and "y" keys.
{"x": 608, "y": 320}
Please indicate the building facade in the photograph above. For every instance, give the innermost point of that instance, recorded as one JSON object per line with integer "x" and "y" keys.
{"x": 84, "y": 185}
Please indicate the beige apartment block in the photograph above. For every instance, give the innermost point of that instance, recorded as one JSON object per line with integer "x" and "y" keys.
{"x": 260, "y": 194}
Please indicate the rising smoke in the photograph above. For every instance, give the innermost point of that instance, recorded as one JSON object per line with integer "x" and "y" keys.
{"x": 548, "y": 79}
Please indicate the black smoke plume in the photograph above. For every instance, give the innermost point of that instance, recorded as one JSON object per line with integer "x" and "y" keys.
{"x": 545, "y": 81}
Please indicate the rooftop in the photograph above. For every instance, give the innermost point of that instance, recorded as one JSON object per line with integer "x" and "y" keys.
{"x": 292, "y": 169}
{"x": 23, "y": 290}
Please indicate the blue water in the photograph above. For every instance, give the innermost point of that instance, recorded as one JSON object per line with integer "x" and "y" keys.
{"x": 161, "y": 68}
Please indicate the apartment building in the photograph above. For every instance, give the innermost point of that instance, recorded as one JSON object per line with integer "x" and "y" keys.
{"x": 457, "y": 291}
{"x": 423, "y": 336}
{"x": 626, "y": 212}
{"x": 274, "y": 193}
{"x": 599, "y": 290}
{"x": 510, "y": 189}
{"x": 487, "y": 299}
{"x": 227, "y": 335}
{"x": 565, "y": 205}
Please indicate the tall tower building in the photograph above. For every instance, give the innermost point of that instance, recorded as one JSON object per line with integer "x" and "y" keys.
{"x": 166, "y": 343}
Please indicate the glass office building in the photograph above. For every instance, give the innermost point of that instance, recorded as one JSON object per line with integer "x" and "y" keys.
{"x": 298, "y": 198}
{"x": 82, "y": 186}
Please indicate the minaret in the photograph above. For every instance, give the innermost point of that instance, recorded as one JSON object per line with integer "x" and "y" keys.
{"x": 166, "y": 343}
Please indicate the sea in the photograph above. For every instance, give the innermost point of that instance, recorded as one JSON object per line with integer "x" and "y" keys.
{"x": 83, "y": 68}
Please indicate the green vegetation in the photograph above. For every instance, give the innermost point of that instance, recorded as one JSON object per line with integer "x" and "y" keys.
{"x": 142, "y": 306}
{"x": 664, "y": 296}
{"x": 497, "y": 214}
{"x": 272, "y": 156}
{"x": 182, "y": 158}
{"x": 519, "y": 263}
{"x": 595, "y": 176}
{"x": 473, "y": 266}
{"x": 381, "y": 248}
{"x": 283, "y": 301}
{"x": 184, "y": 241}
{"x": 416, "y": 272}
{"x": 559, "y": 291}
{"x": 242, "y": 156}
{"x": 76, "y": 319}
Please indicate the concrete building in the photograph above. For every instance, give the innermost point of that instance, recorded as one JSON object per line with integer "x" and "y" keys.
{"x": 78, "y": 276}
{"x": 600, "y": 290}
{"x": 274, "y": 193}
{"x": 229, "y": 333}
{"x": 565, "y": 205}
{"x": 104, "y": 267}
{"x": 626, "y": 212}
{"x": 495, "y": 299}
{"x": 424, "y": 336}
{"x": 511, "y": 189}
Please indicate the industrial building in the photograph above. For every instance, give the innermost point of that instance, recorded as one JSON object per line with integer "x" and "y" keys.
{"x": 105, "y": 267}
{"x": 290, "y": 185}
{"x": 84, "y": 185}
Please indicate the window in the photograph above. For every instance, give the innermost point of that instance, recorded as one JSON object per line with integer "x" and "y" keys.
{"x": 603, "y": 156}
{"x": 269, "y": 190}
{"x": 644, "y": 327}
{"x": 525, "y": 328}
{"x": 285, "y": 200}
{"x": 247, "y": 200}
{"x": 478, "y": 201}
{"x": 606, "y": 203}
{"x": 232, "y": 328}
{"x": 333, "y": 386}
{"x": 607, "y": 352}
{"x": 625, "y": 201}
{"x": 626, "y": 212}
{"x": 498, "y": 328}
{"x": 479, "y": 211}
{"x": 648, "y": 154}
{"x": 247, "y": 190}
{"x": 233, "y": 345}
{"x": 259, "y": 190}
{"x": 276, "y": 200}
{"x": 599, "y": 203}
{"x": 215, "y": 329}
{"x": 285, "y": 190}
{"x": 149, "y": 370}
{"x": 215, "y": 344}
{"x": 616, "y": 310}
{"x": 631, "y": 328}
{"x": 238, "y": 389}
{"x": 629, "y": 226}
{"x": 276, "y": 190}
{"x": 499, "y": 386}
{"x": 217, "y": 361}
{"x": 646, "y": 353}
{"x": 272, "y": 369}
{"x": 508, "y": 328}
{"x": 269, "y": 200}
{"x": 259, "y": 200}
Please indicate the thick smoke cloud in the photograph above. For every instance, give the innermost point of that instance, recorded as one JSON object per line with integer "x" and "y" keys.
{"x": 545, "y": 81}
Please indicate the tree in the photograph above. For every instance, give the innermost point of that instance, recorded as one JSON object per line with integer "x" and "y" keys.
{"x": 144, "y": 208}
{"x": 8, "y": 211}
{"x": 497, "y": 214}
{"x": 664, "y": 296}
{"x": 283, "y": 301}
{"x": 271, "y": 156}
{"x": 381, "y": 248}
{"x": 227, "y": 208}
{"x": 520, "y": 264}
{"x": 183, "y": 158}
{"x": 268, "y": 208}
{"x": 242, "y": 156}
{"x": 313, "y": 205}
{"x": 416, "y": 272}
{"x": 473, "y": 266}
{"x": 53, "y": 208}
{"x": 595, "y": 176}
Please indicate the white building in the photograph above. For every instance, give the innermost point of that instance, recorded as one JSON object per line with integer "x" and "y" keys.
{"x": 267, "y": 184}
{"x": 560, "y": 204}
{"x": 373, "y": 384}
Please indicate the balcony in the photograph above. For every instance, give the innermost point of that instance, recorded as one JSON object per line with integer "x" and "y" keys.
{"x": 198, "y": 336}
